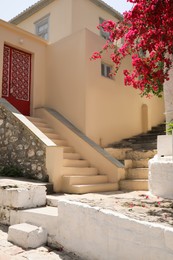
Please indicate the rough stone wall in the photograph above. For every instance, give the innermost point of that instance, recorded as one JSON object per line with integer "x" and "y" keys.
{"x": 19, "y": 147}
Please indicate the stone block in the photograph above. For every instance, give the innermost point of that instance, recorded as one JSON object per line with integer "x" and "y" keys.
{"x": 27, "y": 236}
{"x": 24, "y": 197}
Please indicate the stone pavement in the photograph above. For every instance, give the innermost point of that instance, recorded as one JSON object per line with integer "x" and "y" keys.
{"x": 8, "y": 251}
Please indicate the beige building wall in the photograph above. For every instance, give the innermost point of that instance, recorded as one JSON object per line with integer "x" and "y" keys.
{"x": 102, "y": 108}
{"x": 67, "y": 17}
{"x": 60, "y": 15}
{"x": 86, "y": 14}
{"x": 66, "y": 78}
{"x": 15, "y": 37}
{"x": 114, "y": 111}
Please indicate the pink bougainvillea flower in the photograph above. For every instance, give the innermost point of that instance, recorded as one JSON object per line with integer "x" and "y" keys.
{"x": 147, "y": 35}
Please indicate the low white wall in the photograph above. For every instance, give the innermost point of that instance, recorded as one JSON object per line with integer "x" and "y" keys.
{"x": 100, "y": 234}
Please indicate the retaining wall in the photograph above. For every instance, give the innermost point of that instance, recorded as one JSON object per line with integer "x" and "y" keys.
{"x": 100, "y": 234}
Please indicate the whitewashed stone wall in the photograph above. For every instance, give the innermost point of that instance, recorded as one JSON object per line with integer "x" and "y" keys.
{"x": 100, "y": 234}
{"x": 19, "y": 147}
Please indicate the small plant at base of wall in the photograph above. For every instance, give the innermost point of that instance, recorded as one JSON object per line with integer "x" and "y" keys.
{"x": 169, "y": 127}
{"x": 10, "y": 171}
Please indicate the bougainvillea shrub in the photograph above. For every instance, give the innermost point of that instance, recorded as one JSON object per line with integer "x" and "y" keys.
{"x": 147, "y": 35}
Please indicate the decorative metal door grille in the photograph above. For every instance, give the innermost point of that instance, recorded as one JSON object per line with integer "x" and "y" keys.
{"x": 16, "y": 73}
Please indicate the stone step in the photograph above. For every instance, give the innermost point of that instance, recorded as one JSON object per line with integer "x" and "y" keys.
{"x": 77, "y": 180}
{"x": 141, "y": 163}
{"x": 144, "y": 141}
{"x": 145, "y": 146}
{"x": 137, "y": 155}
{"x": 75, "y": 163}
{"x": 137, "y": 173}
{"x": 91, "y": 188}
{"x": 72, "y": 156}
{"x": 134, "y": 185}
{"x": 22, "y": 196}
{"x": 27, "y": 236}
{"x": 79, "y": 171}
{"x": 45, "y": 217}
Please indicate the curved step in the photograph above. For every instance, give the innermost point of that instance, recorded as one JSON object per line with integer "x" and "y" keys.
{"x": 91, "y": 188}
{"x": 77, "y": 180}
{"x": 137, "y": 173}
{"x": 134, "y": 185}
{"x": 140, "y": 163}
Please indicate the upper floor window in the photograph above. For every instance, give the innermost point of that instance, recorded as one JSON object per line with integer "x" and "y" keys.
{"x": 106, "y": 70}
{"x": 104, "y": 34}
{"x": 42, "y": 27}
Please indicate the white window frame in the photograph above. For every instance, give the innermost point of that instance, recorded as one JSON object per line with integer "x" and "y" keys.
{"x": 40, "y": 23}
{"x": 103, "y": 34}
{"x": 106, "y": 70}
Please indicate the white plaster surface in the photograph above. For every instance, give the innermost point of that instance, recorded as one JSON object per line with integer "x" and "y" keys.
{"x": 100, "y": 234}
{"x": 27, "y": 236}
{"x": 24, "y": 197}
{"x": 164, "y": 145}
{"x": 161, "y": 176}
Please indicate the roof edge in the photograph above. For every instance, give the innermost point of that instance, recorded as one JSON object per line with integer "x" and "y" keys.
{"x": 42, "y": 3}
{"x": 108, "y": 8}
{"x": 30, "y": 11}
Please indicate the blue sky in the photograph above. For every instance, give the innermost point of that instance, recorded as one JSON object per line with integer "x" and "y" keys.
{"x": 10, "y": 8}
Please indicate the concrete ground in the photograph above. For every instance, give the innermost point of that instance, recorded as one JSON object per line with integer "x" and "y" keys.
{"x": 8, "y": 251}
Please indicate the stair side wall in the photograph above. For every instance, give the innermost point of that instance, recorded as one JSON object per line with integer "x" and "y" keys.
{"x": 23, "y": 146}
{"x": 96, "y": 159}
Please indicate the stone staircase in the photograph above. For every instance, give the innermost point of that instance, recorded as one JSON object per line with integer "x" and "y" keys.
{"x": 138, "y": 150}
{"x": 136, "y": 170}
{"x": 146, "y": 141}
{"x": 78, "y": 175}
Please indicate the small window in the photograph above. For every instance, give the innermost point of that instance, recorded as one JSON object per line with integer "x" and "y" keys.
{"x": 104, "y": 34}
{"x": 42, "y": 27}
{"x": 106, "y": 70}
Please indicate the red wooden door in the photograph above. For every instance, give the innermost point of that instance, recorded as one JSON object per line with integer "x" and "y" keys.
{"x": 16, "y": 80}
